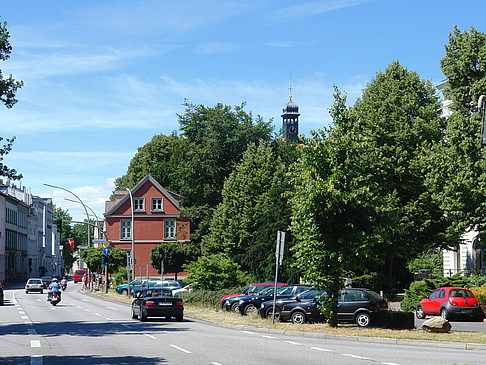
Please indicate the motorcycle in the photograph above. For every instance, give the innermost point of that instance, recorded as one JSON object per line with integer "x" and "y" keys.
{"x": 55, "y": 298}
{"x": 63, "y": 287}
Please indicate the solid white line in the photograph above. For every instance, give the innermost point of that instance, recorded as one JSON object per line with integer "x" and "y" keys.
{"x": 35, "y": 343}
{"x": 292, "y": 342}
{"x": 152, "y": 337}
{"x": 356, "y": 356}
{"x": 32, "y": 332}
{"x": 36, "y": 360}
{"x": 180, "y": 349}
{"x": 250, "y": 333}
{"x": 321, "y": 349}
{"x": 267, "y": 336}
{"x": 24, "y": 317}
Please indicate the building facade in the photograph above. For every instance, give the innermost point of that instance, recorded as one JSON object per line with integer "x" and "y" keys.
{"x": 155, "y": 221}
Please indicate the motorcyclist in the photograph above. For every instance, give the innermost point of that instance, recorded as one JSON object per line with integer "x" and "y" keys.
{"x": 64, "y": 281}
{"x": 54, "y": 287}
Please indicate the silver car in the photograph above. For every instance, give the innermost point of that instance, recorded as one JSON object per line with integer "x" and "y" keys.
{"x": 34, "y": 284}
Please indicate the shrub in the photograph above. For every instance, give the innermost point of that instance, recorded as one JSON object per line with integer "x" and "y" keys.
{"x": 480, "y": 293}
{"x": 420, "y": 289}
{"x": 119, "y": 276}
{"x": 207, "y": 298}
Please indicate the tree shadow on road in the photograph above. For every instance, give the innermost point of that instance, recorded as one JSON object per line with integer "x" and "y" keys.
{"x": 84, "y": 360}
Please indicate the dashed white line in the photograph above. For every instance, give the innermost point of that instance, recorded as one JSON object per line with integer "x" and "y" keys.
{"x": 35, "y": 343}
{"x": 321, "y": 349}
{"x": 180, "y": 349}
{"x": 87, "y": 310}
{"x": 150, "y": 336}
{"x": 216, "y": 363}
{"x": 39, "y": 300}
{"x": 24, "y": 317}
{"x": 21, "y": 312}
{"x": 292, "y": 342}
{"x": 80, "y": 307}
{"x": 267, "y": 336}
{"x": 112, "y": 308}
{"x": 248, "y": 332}
{"x": 84, "y": 300}
{"x": 97, "y": 314}
{"x": 356, "y": 356}
{"x": 390, "y": 363}
{"x": 109, "y": 319}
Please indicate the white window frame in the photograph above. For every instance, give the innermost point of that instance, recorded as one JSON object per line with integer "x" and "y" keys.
{"x": 157, "y": 208}
{"x": 125, "y": 229}
{"x": 138, "y": 204}
{"x": 170, "y": 231}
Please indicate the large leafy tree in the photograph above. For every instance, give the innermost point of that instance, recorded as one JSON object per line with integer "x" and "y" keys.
{"x": 115, "y": 260}
{"x": 254, "y": 208}
{"x": 331, "y": 208}
{"x": 174, "y": 254}
{"x": 8, "y": 89}
{"x": 395, "y": 121}
{"x": 458, "y": 167}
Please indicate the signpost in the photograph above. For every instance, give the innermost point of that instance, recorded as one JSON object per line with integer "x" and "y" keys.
{"x": 279, "y": 251}
{"x": 106, "y": 252}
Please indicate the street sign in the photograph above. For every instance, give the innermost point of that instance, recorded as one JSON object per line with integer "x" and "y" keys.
{"x": 106, "y": 244}
{"x": 106, "y": 251}
{"x": 279, "y": 252}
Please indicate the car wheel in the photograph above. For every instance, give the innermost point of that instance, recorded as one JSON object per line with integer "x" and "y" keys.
{"x": 444, "y": 314}
{"x": 250, "y": 309}
{"x": 142, "y": 317}
{"x": 124, "y": 292}
{"x": 223, "y": 305}
{"x": 298, "y": 318}
{"x": 363, "y": 319}
{"x": 26, "y": 292}
{"x": 420, "y": 312}
{"x": 134, "y": 316}
{"x": 269, "y": 312}
{"x": 42, "y": 291}
{"x": 233, "y": 307}
{"x": 179, "y": 318}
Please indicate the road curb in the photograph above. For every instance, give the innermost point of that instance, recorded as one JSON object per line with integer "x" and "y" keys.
{"x": 391, "y": 341}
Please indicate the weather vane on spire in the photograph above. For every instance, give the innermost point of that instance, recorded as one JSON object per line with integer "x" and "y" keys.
{"x": 290, "y": 87}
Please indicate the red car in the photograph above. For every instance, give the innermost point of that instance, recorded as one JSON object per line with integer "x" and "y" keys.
{"x": 450, "y": 302}
{"x": 78, "y": 275}
{"x": 249, "y": 290}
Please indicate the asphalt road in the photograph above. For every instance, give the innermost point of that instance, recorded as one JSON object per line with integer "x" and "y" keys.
{"x": 87, "y": 330}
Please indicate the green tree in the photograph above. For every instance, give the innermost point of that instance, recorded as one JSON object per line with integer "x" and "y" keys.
{"x": 80, "y": 233}
{"x": 457, "y": 176}
{"x": 174, "y": 254}
{"x": 254, "y": 208}
{"x": 331, "y": 210}
{"x": 66, "y": 232}
{"x": 214, "y": 272}
{"x": 394, "y": 122}
{"x": 115, "y": 260}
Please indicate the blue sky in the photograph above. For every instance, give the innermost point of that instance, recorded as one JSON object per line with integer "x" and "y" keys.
{"x": 103, "y": 77}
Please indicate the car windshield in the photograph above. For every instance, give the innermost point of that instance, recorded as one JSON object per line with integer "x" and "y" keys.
{"x": 461, "y": 293}
{"x": 311, "y": 294}
{"x": 287, "y": 290}
{"x": 155, "y": 293}
{"x": 35, "y": 281}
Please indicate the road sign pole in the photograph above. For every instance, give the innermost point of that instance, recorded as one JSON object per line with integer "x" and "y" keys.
{"x": 278, "y": 260}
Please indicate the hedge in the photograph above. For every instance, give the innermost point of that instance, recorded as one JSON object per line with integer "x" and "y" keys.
{"x": 208, "y": 298}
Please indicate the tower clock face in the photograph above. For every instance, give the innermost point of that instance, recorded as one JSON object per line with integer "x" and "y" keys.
{"x": 292, "y": 129}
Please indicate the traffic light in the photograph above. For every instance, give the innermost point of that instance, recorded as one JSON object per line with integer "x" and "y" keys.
{"x": 59, "y": 225}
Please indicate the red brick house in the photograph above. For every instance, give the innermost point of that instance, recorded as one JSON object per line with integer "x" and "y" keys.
{"x": 156, "y": 221}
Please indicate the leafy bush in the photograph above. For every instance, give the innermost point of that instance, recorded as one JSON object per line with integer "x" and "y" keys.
{"x": 420, "y": 289}
{"x": 207, "y": 298}
{"x": 480, "y": 293}
{"x": 431, "y": 262}
{"x": 119, "y": 276}
{"x": 477, "y": 280}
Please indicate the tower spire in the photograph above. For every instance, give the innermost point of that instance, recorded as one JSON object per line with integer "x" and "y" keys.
{"x": 290, "y": 87}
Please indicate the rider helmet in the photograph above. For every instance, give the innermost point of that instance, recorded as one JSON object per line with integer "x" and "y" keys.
{"x": 54, "y": 280}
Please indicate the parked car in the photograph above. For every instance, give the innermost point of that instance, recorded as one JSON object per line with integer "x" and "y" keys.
{"x": 266, "y": 308}
{"x": 176, "y": 292}
{"x": 78, "y": 275}
{"x": 250, "y": 304}
{"x": 355, "y": 305}
{"x": 34, "y": 284}
{"x": 1, "y": 294}
{"x": 167, "y": 284}
{"x": 450, "y": 303}
{"x": 157, "y": 303}
{"x": 46, "y": 280}
{"x": 248, "y": 290}
{"x": 123, "y": 288}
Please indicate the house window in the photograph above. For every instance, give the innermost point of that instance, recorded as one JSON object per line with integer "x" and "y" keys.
{"x": 139, "y": 204}
{"x": 125, "y": 229}
{"x": 157, "y": 204}
{"x": 169, "y": 229}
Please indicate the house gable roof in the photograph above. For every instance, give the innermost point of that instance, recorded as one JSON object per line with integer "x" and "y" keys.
{"x": 148, "y": 178}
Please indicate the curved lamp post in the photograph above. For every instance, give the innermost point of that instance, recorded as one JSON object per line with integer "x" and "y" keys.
{"x": 92, "y": 211}
{"x": 70, "y": 192}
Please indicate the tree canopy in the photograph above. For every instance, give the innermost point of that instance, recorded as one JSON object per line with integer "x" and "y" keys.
{"x": 174, "y": 254}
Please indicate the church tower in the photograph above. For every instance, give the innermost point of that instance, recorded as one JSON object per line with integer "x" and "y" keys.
{"x": 290, "y": 119}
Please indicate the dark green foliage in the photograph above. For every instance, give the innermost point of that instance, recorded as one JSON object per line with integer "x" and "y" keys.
{"x": 174, "y": 254}
{"x": 8, "y": 86}
{"x": 373, "y": 281}
{"x": 120, "y": 276}
{"x": 431, "y": 262}
{"x": 215, "y": 272}
{"x": 207, "y": 298}
{"x": 420, "y": 289}
{"x": 115, "y": 260}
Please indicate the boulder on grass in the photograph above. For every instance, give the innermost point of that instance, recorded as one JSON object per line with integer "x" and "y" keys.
{"x": 437, "y": 325}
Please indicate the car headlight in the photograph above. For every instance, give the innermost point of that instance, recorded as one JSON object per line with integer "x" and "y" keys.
{"x": 261, "y": 305}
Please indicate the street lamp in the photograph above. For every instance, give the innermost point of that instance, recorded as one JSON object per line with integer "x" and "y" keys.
{"x": 69, "y": 191}
{"x": 132, "y": 233}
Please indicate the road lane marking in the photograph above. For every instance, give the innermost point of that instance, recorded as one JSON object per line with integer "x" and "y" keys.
{"x": 356, "y": 356}
{"x": 97, "y": 314}
{"x": 32, "y": 331}
{"x": 250, "y": 333}
{"x": 36, "y": 360}
{"x": 109, "y": 319}
{"x": 150, "y": 336}
{"x": 390, "y": 363}
{"x": 84, "y": 300}
{"x": 21, "y": 312}
{"x": 216, "y": 363}
{"x": 293, "y": 343}
{"x": 267, "y": 336}
{"x": 180, "y": 349}
{"x": 24, "y": 317}
{"x": 321, "y": 349}
{"x": 35, "y": 343}
{"x": 87, "y": 310}
{"x": 112, "y": 308}
{"x": 39, "y": 300}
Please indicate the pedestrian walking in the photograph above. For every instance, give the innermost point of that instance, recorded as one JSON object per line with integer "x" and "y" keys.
{"x": 85, "y": 279}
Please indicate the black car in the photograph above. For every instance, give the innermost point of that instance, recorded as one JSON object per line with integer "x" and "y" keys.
{"x": 1, "y": 294}
{"x": 157, "y": 303}
{"x": 250, "y": 305}
{"x": 355, "y": 305}
{"x": 266, "y": 308}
